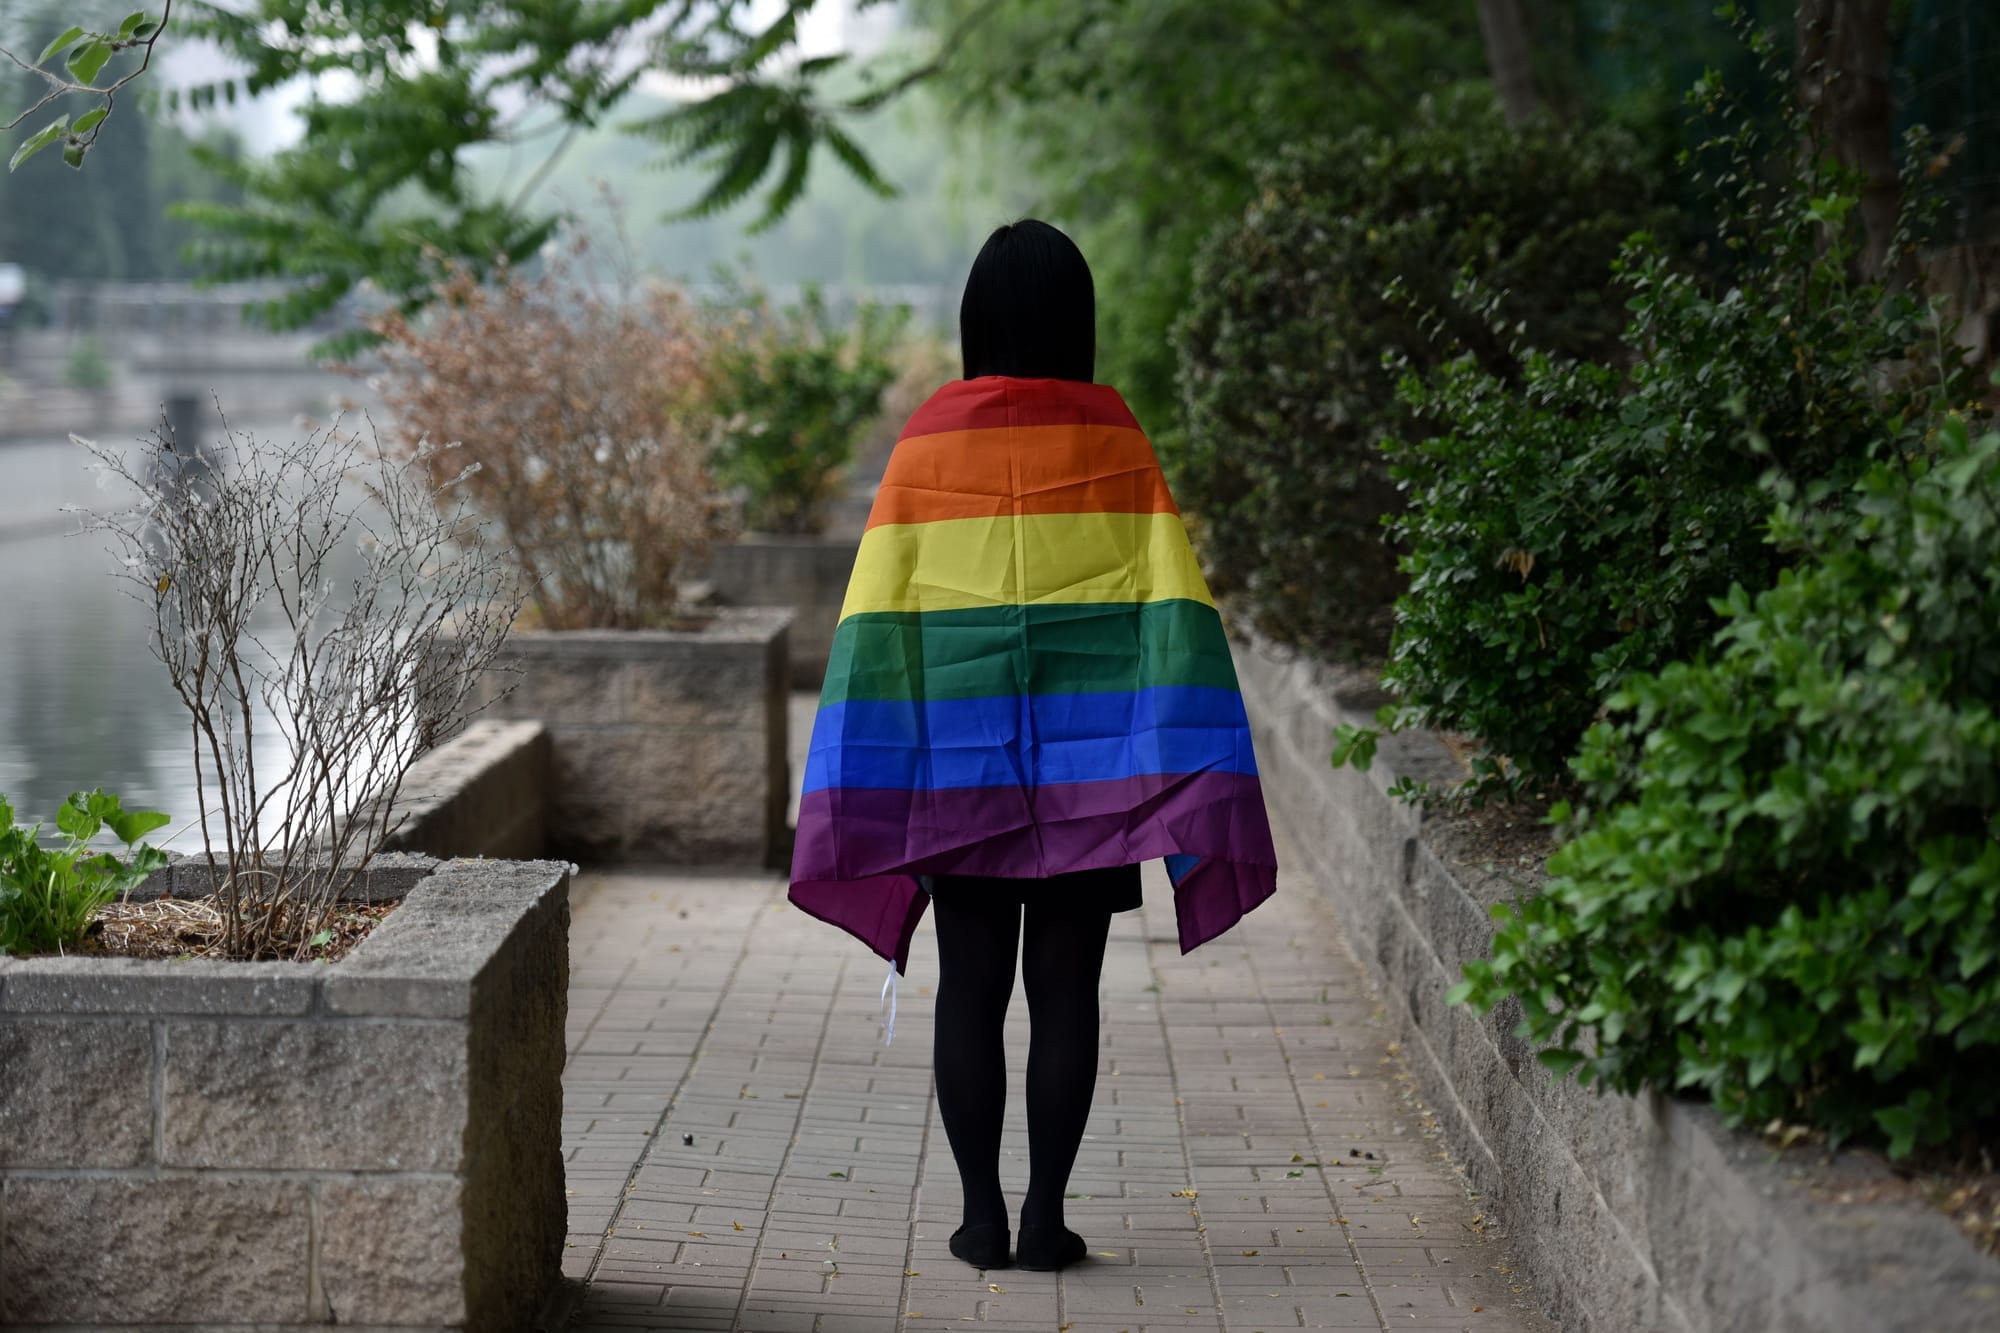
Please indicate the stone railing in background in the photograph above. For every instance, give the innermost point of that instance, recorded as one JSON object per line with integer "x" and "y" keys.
{"x": 1644, "y": 1213}
{"x": 806, "y": 574}
{"x": 375, "y": 1142}
{"x": 666, "y": 745}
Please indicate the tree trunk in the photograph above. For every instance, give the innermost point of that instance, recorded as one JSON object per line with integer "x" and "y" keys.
{"x": 1506, "y": 36}
{"x": 1842, "y": 74}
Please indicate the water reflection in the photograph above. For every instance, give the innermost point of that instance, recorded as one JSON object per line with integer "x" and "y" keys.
{"x": 83, "y": 701}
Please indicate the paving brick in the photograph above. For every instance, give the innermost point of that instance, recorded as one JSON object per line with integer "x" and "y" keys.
{"x": 755, "y": 1030}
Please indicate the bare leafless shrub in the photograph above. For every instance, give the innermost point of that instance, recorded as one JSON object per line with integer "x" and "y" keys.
{"x": 586, "y": 405}
{"x": 346, "y": 599}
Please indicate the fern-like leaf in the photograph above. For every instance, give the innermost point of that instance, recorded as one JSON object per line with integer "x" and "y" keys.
{"x": 856, "y": 160}
{"x": 798, "y": 138}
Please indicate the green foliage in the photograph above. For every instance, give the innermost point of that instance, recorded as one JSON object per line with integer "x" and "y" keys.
{"x": 103, "y": 223}
{"x": 1143, "y": 123}
{"x": 82, "y": 53}
{"x": 1786, "y": 892}
{"x": 739, "y": 133}
{"x": 1348, "y": 260}
{"x": 88, "y": 368}
{"x": 1575, "y": 525}
{"x": 48, "y": 895}
{"x": 794, "y": 390}
{"x": 839, "y": 232}
{"x": 380, "y": 185}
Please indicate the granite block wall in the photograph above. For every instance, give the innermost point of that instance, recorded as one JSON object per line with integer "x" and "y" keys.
{"x": 666, "y": 746}
{"x": 1635, "y": 1213}
{"x": 375, "y": 1142}
{"x": 807, "y": 574}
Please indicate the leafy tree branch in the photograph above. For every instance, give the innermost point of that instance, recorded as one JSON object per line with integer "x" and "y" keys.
{"x": 380, "y": 186}
{"x": 84, "y": 53}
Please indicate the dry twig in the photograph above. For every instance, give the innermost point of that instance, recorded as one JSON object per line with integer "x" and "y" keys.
{"x": 236, "y": 554}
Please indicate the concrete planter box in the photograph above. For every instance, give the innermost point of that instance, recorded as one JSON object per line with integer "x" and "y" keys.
{"x": 485, "y": 792}
{"x": 1634, "y": 1213}
{"x": 665, "y": 746}
{"x": 807, "y": 574}
{"x": 376, "y": 1142}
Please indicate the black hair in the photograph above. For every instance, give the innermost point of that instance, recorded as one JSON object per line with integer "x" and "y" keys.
{"x": 1029, "y": 310}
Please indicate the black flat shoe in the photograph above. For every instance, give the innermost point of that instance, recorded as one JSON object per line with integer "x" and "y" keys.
{"x": 1046, "y": 1249}
{"x": 982, "y": 1246}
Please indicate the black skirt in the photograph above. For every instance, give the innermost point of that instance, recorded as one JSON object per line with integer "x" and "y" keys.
{"x": 1114, "y": 889}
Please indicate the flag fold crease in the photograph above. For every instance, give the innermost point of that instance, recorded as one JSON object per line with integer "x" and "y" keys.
{"x": 1029, "y": 676}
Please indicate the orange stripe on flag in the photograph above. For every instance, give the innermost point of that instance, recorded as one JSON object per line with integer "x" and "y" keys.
{"x": 1070, "y": 469}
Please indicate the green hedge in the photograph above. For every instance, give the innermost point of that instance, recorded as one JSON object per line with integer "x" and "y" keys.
{"x": 1787, "y": 890}
{"x": 1574, "y": 523}
{"x": 1348, "y": 257}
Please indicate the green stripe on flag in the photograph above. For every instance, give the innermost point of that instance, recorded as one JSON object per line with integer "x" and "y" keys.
{"x": 1044, "y": 648}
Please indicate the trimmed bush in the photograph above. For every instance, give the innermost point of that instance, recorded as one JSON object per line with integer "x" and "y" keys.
{"x": 794, "y": 391}
{"x": 1575, "y": 523}
{"x": 1787, "y": 893}
{"x": 1348, "y": 259}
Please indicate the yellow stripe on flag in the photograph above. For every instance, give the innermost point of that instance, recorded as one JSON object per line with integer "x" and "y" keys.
{"x": 1024, "y": 560}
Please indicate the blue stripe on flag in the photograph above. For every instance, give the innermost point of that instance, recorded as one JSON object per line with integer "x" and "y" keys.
{"x": 1025, "y": 742}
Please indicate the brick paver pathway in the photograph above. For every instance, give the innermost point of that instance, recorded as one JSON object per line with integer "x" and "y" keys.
{"x": 745, "y": 1154}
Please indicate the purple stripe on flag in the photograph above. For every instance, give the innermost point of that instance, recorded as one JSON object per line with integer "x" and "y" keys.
{"x": 848, "y": 833}
{"x": 858, "y": 849}
{"x": 882, "y": 911}
{"x": 1216, "y": 894}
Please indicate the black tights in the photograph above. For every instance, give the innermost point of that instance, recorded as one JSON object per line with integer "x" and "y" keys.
{"x": 1062, "y": 958}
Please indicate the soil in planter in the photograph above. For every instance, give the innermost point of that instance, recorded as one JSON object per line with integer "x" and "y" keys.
{"x": 1971, "y": 1199}
{"x": 1964, "y": 1184}
{"x": 192, "y": 928}
{"x": 1505, "y": 836}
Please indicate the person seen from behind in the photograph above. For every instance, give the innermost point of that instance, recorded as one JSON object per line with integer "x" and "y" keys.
{"x": 1030, "y": 693}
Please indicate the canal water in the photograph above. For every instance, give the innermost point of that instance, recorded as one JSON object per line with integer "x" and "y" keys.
{"x": 83, "y": 701}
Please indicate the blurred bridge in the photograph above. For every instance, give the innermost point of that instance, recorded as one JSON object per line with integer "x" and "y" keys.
{"x": 111, "y": 355}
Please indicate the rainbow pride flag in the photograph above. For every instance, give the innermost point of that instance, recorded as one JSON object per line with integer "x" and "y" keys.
{"x": 1029, "y": 676}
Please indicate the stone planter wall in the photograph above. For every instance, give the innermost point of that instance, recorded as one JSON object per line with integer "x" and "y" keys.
{"x": 1635, "y": 1214}
{"x": 375, "y": 1143}
{"x": 485, "y": 792}
{"x": 666, "y": 746}
{"x": 807, "y": 574}
{"x": 389, "y": 877}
